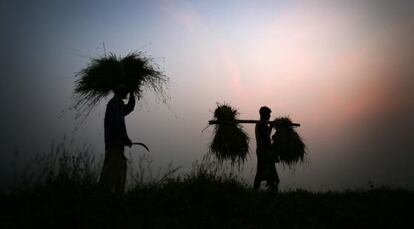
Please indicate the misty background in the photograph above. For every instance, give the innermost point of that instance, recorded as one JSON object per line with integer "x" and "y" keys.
{"x": 343, "y": 69}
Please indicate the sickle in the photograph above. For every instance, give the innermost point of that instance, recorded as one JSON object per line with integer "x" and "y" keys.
{"x": 141, "y": 144}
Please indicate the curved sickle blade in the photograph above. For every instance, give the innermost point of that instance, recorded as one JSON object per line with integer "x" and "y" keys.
{"x": 141, "y": 144}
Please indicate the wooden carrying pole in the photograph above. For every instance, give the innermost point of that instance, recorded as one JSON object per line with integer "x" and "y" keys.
{"x": 212, "y": 122}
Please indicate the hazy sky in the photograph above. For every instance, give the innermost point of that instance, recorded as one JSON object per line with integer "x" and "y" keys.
{"x": 343, "y": 69}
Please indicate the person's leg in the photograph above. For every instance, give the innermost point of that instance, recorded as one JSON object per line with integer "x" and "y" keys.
{"x": 270, "y": 184}
{"x": 120, "y": 171}
{"x": 256, "y": 184}
{"x": 106, "y": 180}
{"x": 277, "y": 181}
{"x": 122, "y": 174}
{"x": 273, "y": 180}
{"x": 272, "y": 177}
{"x": 259, "y": 173}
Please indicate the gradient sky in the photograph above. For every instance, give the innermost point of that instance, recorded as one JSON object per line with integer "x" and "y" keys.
{"x": 343, "y": 69}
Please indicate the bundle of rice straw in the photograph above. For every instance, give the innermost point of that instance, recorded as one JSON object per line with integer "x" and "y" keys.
{"x": 102, "y": 75}
{"x": 287, "y": 143}
{"x": 230, "y": 141}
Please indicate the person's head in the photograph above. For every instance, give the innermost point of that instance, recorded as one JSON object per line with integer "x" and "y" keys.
{"x": 265, "y": 113}
{"x": 121, "y": 91}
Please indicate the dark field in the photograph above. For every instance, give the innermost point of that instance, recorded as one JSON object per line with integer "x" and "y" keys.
{"x": 203, "y": 201}
{"x": 61, "y": 191}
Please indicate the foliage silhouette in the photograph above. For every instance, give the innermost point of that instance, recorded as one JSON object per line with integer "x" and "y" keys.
{"x": 286, "y": 143}
{"x": 102, "y": 75}
{"x": 230, "y": 140}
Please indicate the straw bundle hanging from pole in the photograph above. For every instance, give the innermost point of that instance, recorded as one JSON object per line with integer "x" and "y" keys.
{"x": 102, "y": 75}
{"x": 230, "y": 140}
{"x": 287, "y": 143}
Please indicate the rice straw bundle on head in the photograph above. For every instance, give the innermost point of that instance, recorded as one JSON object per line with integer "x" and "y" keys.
{"x": 102, "y": 75}
{"x": 287, "y": 143}
{"x": 230, "y": 141}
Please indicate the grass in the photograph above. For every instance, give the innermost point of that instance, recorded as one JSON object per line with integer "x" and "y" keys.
{"x": 206, "y": 197}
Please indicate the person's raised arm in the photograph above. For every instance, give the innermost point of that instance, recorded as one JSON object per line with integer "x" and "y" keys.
{"x": 129, "y": 107}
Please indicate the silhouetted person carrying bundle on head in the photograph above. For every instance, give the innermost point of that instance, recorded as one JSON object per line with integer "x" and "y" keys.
{"x": 266, "y": 168}
{"x": 113, "y": 176}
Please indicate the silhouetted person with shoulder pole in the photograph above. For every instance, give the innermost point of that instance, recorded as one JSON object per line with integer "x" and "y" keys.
{"x": 113, "y": 176}
{"x": 266, "y": 168}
